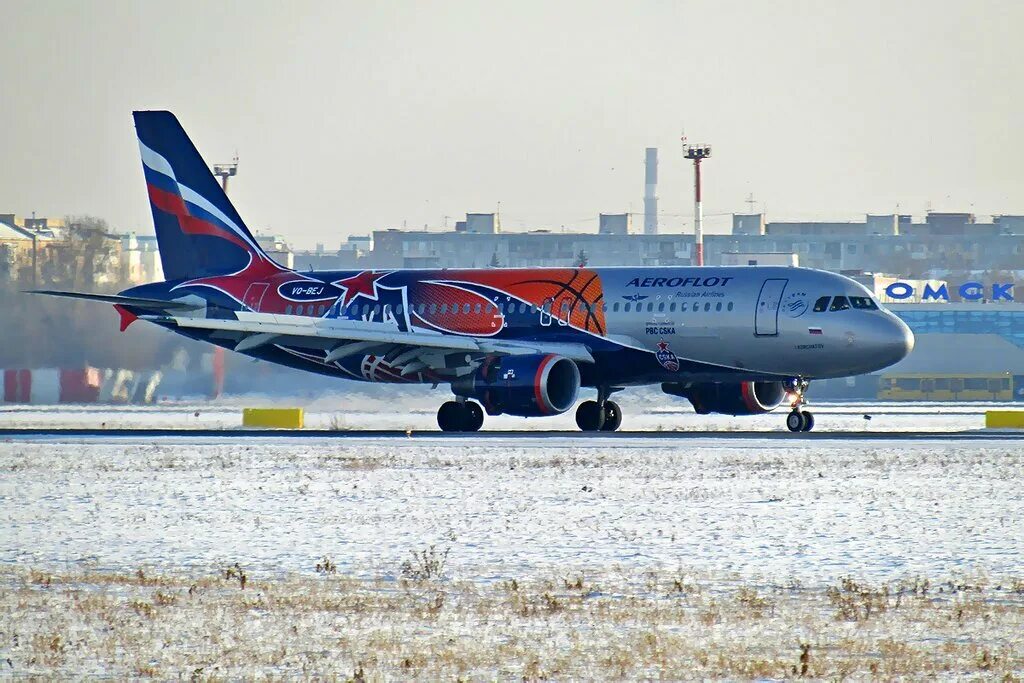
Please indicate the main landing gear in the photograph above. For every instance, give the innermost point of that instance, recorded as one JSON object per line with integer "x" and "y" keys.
{"x": 460, "y": 416}
{"x": 601, "y": 415}
{"x": 799, "y": 420}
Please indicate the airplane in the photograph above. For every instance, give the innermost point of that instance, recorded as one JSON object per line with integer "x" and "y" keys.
{"x": 516, "y": 341}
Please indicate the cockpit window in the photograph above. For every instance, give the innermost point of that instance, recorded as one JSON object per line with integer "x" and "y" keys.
{"x": 839, "y": 303}
{"x": 821, "y": 304}
{"x": 864, "y": 303}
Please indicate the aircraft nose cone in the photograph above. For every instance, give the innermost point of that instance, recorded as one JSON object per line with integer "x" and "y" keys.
{"x": 896, "y": 342}
{"x": 908, "y": 339}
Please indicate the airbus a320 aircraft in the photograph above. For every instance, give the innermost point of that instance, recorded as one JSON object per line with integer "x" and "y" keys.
{"x": 740, "y": 341}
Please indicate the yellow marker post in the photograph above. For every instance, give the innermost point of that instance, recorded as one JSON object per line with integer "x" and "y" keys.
{"x": 1004, "y": 419}
{"x": 273, "y": 418}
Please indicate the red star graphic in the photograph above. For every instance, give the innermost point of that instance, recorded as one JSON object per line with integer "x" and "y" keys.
{"x": 363, "y": 284}
{"x": 663, "y": 346}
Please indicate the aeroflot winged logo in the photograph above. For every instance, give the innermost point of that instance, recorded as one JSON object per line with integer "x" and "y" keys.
{"x": 795, "y": 305}
{"x": 634, "y": 297}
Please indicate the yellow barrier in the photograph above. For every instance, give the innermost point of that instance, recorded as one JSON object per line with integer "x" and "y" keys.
{"x": 275, "y": 418}
{"x": 1004, "y": 418}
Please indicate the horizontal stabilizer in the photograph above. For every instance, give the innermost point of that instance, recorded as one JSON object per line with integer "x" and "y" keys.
{"x": 117, "y": 300}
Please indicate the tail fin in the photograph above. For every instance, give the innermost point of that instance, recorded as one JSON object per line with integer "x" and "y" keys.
{"x": 198, "y": 230}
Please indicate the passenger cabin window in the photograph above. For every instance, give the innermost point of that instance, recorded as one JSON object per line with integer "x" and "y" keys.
{"x": 288, "y": 309}
{"x": 729, "y": 307}
{"x": 627, "y": 308}
{"x": 615, "y": 307}
{"x": 839, "y": 303}
{"x": 864, "y": 303}
{"x": 821, "y": 304}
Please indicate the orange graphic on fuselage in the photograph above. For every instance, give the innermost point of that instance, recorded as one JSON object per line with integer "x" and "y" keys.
{"x": 574, "y": 295}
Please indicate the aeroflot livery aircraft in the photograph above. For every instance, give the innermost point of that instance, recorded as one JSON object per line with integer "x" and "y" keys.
{"x": 518, "y": 341}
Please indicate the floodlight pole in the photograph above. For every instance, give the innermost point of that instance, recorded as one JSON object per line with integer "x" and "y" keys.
{"x": 222, "y": 171}
{"x": 697, "y": 153}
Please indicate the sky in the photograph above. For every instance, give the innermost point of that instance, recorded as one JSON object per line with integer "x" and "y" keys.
{"x": 354, "y": 116}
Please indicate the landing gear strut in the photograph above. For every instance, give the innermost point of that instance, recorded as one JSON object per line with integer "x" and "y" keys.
{"x": 799, "y": 420}
{"x": 460, "y": 416}
{"x": 601, "y": 415}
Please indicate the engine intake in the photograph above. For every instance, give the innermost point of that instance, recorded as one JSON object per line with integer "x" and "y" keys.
{"x": 739, "y": 398}
{"x": 528, "y": 385}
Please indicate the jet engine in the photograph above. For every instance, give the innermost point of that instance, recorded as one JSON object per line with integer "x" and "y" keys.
{"x": 527, "y": 385}
{"x": 736, "y": 398}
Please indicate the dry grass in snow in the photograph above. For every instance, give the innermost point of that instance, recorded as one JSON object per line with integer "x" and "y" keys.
{"x": 669, "y": 624}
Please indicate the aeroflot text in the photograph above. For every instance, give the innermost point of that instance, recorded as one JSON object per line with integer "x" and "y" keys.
{"x": 679, "y": 281}
{"x": 969, "y": 291}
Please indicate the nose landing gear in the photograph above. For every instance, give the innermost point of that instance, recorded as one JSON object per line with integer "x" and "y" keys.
{"x": 460, "y": 416}
{"x": 601, "y": 415}
{"x": 799, "y": 420}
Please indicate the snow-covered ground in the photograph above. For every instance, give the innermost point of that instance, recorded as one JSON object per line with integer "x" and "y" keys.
{"x": 809, "y": 509}
{"x": 528, "y": 557}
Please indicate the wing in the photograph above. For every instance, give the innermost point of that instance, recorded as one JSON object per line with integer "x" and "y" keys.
{"x": 340, "y": 338}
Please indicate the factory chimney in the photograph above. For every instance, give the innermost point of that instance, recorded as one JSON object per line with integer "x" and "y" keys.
{"x": 650, "y": 185}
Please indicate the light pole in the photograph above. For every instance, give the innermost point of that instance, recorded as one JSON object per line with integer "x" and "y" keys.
{"x": 222, "y": 171}
{"x": 697, "y": 154}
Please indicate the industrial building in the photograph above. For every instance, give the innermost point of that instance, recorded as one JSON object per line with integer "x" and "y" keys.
{"x": 889, "y": 244}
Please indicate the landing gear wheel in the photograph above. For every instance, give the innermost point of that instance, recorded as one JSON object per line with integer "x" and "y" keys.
{"x": 795, "y": 421}
{"x": 612, "y": 417}
{"x": 474, "y": 416}
{"x": 808, "y": 421}
{"x": 451, "y": 416}
{"x": 590, "y": 416}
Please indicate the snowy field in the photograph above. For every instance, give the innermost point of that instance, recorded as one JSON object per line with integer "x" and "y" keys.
{"x": 505, "y": 557}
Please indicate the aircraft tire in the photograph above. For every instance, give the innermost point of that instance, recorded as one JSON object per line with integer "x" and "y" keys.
{"x": 590, "y": 416}
{"x": 612, "y": 417}
{"x": 474, "y": 416}
{"x": 795, "y": 421}
{"x": 451, "y": 416}
{"x": 808, "y": 422}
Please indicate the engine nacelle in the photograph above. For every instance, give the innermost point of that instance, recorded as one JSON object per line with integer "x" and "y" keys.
{"x": 528, "y": 385}
{"x": 736, "y": 398}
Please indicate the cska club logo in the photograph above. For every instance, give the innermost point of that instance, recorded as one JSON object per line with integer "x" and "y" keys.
{"x": 668, "y": 360}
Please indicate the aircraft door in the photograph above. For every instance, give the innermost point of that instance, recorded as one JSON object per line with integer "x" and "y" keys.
{"x": 254, "y": 295}
{"x": 766, "y": 316}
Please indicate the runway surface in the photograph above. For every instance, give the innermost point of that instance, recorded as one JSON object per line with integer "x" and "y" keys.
{"x": 581, "y": 437}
